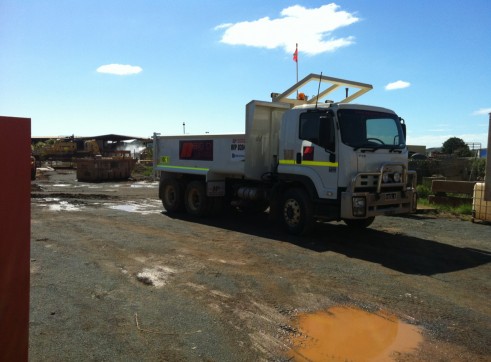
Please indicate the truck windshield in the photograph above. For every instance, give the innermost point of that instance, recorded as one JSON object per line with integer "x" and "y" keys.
{"x": 370, "y": 129}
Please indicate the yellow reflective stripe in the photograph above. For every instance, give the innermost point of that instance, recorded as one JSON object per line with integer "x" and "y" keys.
{"x": 310, "y": 163}
{"x": 320, "y": 163}
{"x": 183, "y": 167}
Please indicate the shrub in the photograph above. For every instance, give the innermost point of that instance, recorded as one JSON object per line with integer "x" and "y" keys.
{"x": 423, "y": 191}
{"x": 465, "y": 209}
{"x": 478, "y": 169}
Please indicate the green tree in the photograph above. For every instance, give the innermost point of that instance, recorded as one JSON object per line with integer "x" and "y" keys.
{"x": 456, "y": 146}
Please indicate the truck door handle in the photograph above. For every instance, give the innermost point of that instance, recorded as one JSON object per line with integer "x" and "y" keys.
{"x": 299, "y": 158}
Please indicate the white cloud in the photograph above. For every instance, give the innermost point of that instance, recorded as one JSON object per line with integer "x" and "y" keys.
{"x": 400, "y": 84}
{"x": 310, "y": 28}
{"x": 481, "y": 111}
{"x": 119, "y": 69}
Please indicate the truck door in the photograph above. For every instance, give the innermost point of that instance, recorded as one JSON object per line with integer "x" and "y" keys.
{"x": 317, "y": 153}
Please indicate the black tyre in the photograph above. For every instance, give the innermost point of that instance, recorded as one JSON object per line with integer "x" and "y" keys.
{"x": 195, "y": 200}
{"x": 172, "y": 195}
{"x": 297, "y": 212}
{"x": 359, "y": 223}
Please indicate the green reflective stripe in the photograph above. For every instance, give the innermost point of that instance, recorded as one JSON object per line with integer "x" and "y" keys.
{"x": 310, "y": 163}
{"x": 183, "y": 167}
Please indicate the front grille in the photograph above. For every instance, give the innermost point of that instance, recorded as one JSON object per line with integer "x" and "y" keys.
{"x": 367, "y": 181}
{"x": 373, "y": 181}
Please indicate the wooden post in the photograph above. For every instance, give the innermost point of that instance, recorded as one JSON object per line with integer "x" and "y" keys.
{"x": 15, "y": 233}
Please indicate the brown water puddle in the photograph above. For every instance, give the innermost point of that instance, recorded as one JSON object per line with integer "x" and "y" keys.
{"x": 348, "y": 334}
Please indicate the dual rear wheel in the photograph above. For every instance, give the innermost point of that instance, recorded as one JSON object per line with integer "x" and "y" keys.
{"x": 172, "y": 195}
{"x": 196, "y": 201}
{"x": 178, "y": 196}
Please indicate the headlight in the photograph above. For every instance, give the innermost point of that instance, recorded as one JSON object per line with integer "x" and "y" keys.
{"x": 397, "y": 177}
{"x": 385, "y": 178}
{"x": 359, "y": 206}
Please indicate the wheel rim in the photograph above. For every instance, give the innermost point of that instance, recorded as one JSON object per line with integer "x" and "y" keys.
{"x": 170, "y": 195}
{"x": 292, "y": 213}
{"x": 194, "y": 200}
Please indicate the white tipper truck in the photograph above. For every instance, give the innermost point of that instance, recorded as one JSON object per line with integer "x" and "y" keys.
{"x": 305, "y": 160}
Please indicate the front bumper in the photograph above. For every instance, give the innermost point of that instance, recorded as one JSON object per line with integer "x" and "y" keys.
{"x": 368, "y": 196}
{"x": 390, "y": 203}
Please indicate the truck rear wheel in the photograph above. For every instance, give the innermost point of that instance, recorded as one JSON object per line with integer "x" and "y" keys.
{"x": 195, "y": 199}
{"x": 297, "y": 212}
{"x": 172, "y": 195}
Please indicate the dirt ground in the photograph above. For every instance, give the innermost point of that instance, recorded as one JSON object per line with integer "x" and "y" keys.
{"x": 114, "y": 278}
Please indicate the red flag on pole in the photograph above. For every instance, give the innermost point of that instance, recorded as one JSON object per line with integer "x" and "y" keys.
{"x": 295, "y": 55}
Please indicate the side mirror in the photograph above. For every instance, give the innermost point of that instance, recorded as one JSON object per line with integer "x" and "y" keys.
{"x": 327, "y": 133}
{"x": 403, "y": 125}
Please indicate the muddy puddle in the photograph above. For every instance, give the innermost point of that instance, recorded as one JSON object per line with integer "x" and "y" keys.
{"x": 115, "y": 185}
{"x": 349, "y": 334}
{"x": 144, "y": 184}
{"x": 143, "y": 207}
{"x": 148, "y": 207}
{"x": 56, "y": 204}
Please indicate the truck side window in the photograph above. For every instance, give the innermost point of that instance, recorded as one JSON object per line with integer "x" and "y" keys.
{"x": 318, "y": 128}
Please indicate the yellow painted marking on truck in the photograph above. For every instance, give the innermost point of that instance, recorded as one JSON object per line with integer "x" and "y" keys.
{"x": 183, "y": 167}
{"x": 310, "y": 163}
{"x": 164, "y": 160}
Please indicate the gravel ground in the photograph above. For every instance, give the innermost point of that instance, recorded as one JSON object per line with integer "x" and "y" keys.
{"x": 114, "y": 278}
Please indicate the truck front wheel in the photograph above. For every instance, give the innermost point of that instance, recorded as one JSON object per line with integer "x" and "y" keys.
{"x": 172, "y": 195}
{"x": 297, "y": 212}
{"x": 195, "y": 199}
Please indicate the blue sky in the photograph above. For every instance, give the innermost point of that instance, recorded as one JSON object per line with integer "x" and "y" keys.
{"x": 136, "y": 67}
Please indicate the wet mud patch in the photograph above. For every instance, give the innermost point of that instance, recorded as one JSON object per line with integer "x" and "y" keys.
{"x": 56, "y": 204}
{"x": 68, "y": 201}
{"x": 349, "y": 334}
{"x": 63, "y": 195}
{"x": 145, "y": 184}
{"x": 143, "y": 208}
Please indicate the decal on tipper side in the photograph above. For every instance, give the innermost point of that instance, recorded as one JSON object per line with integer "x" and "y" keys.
{"x": 237, "y": 149}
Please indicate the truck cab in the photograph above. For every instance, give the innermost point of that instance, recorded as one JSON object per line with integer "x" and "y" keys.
{"x": 351, "y": 160}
